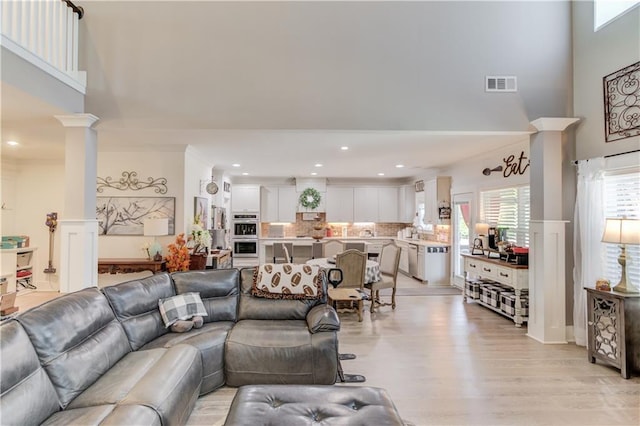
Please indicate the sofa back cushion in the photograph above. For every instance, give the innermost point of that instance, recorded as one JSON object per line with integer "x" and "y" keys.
{"x": 135, "y": 304}
{"x": 27, "y": 395}
{"x": 258, "y": 308}
{"x": 219, "y": 290}
{"x": 77, "y": 339}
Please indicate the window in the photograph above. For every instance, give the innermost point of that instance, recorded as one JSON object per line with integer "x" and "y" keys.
{"x": 622, "y": 198}
{"x": 508, "y": 208}
{"x": 605, "y": 11}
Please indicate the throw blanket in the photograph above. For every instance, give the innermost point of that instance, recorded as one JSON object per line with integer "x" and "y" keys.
{"x": 287, "y": 281}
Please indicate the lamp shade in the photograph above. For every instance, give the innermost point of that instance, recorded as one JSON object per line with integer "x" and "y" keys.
{"x": 622, "y": 231}
{"x": 482, "y": 228}
{"x": 156, "y": 227}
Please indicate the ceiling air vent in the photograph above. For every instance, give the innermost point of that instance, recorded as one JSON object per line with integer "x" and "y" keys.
{"x": 501, "y": 84}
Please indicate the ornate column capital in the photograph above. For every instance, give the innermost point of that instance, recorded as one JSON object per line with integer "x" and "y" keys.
{"x": 552, "y": 124}
{"x": 77, "y": 120}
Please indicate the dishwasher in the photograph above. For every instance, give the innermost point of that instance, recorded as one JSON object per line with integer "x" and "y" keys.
{"x": 413, "y": 260}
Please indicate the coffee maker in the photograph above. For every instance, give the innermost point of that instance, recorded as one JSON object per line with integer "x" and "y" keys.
{"x": 492, "y": 238}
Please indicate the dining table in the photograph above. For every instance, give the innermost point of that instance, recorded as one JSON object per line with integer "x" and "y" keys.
{"x": 371, "y": 273}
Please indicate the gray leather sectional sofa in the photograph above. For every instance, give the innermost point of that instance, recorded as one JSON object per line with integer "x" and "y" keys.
{"x": 105, "y": 356}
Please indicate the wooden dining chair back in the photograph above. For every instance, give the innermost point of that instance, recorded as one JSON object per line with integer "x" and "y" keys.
{"x": 331, "y": 248}
{"x": 282, "y": 252}
{"x": 389, "y": 261}
{"x": 317, "y": 250}
{"x": 354, "y": 246}
{"x": 353, "y": 264}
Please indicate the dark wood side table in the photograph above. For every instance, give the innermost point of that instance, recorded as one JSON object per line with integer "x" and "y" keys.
{"x": 613, "y": 329}
{"x": 125, "y": 266}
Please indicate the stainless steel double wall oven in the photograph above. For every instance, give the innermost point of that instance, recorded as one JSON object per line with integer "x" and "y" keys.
{"x": 244, "y": 233}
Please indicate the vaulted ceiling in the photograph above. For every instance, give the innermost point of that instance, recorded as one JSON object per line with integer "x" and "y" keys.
{"x": 280, "y": 86}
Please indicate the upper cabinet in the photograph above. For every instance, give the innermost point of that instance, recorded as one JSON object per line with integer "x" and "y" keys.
{"x": 365, "y": 204}
{"x": 245, "y": 198}
{"x": 406, "y": 203}
{"x": 278, "y": 204}
{"x": 437, "y": 200}
{"x": 389, "y": 204}
{"x": 339, "y": 203}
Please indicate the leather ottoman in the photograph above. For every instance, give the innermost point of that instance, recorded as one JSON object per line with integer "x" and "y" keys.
{"x": 284, "y": 405}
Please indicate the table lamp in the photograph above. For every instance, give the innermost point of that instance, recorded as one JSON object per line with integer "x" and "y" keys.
{"x": 622, "y": 231}
{"x": 156, "y": 227}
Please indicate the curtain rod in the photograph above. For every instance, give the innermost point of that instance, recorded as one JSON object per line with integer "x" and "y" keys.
{"x": 615, "y": 155}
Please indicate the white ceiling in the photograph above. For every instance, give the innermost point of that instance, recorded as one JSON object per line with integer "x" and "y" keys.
{"x": 280, "y": 86}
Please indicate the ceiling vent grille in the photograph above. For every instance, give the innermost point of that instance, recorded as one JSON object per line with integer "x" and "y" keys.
{"x": 501, "y": 84}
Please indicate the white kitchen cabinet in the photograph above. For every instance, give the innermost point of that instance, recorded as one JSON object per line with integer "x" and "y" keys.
{"x": 406, "y": 203}
{"x": 404, "y": 257}
{"x": 287, "y": 204}
{"x": 437, "y": 192}
{"x": 245, "y": 198}
{"x": 365, "y": 204}
{"x": 388, "y": 204}
{"x": 339, "y": 203}
{"x": 278, "y": 203}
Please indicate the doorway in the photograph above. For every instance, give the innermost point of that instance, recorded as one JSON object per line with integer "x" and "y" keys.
{"x": 462, "y": 208}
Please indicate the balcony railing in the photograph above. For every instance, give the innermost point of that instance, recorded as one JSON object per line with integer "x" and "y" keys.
{"x": 45, "y": 33}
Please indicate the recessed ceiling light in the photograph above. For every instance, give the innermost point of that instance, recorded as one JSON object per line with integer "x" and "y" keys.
{"x": 12, "y": 143}
{"x": 380, "y": 174}
{"x": 399, "y": 166}
{"x": 344, "y": 148}
{"x": 235, "y": 165}
{"x": 245, "y": 174}
{"x": 318, "y": 165}
{"x": 313, "y": 173}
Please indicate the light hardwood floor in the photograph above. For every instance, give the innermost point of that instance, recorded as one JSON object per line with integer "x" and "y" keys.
{"x": 448, "y": 363}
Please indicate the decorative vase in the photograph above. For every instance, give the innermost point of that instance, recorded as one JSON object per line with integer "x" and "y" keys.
{"x": 318, "y": 229}
{"x": 197, "y": 262}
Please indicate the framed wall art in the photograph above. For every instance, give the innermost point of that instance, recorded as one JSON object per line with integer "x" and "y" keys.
{"x": 622, "y": 103}
{"x": 126, "y": 215}
{"x": 200, "y": 209}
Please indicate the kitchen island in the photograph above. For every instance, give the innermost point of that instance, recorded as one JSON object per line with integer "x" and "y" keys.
{"x": 302, "y": 246}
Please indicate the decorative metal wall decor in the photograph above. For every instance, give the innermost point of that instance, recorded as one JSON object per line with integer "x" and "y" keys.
{"x": 129, "y": 180}
{"x": 512, "y": 166}
{"x": 622, "y": 103}
{"x": 126, "y": 215}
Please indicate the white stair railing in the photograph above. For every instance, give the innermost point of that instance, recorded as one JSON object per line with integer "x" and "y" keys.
{"x": 45, "y": 32}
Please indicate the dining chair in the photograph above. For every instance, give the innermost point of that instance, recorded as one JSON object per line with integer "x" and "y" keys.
{"x": 389, "y": 261}
{"x": 332, "y": 247}
{"x": 353, "y": 264}
{"x": 317, "y": 249}
{"x": 355, "y": 246}
{"x": 283, "y": 251}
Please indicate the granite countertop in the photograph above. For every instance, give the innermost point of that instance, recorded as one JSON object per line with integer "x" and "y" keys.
{"x": 423, "y": 242}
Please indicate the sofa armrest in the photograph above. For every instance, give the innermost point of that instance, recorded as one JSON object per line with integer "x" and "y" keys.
{"x": 323, "y": 318}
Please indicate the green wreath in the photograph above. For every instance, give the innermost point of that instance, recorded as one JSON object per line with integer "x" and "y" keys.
{"x": 310, "y": 198}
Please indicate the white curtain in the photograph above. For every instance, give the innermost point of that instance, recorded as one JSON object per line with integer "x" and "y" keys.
{"x": 589, "y": 218}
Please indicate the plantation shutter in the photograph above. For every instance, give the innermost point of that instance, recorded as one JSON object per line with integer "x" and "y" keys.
{"x": 508, "y": 208}
{"x": 622, "y": 198}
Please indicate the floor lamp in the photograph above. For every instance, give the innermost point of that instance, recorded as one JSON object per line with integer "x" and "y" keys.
{"x": 623, "y": 231}
{"x": 156, "y": 228}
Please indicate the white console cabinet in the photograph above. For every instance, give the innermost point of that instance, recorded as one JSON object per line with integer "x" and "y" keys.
{"x": 489, "y": 281}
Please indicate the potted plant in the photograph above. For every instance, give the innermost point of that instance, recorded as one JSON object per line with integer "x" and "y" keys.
{"x": 178, "y": 258}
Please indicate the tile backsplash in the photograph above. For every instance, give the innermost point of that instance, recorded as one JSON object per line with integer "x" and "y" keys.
{"x": 305, "y": 228}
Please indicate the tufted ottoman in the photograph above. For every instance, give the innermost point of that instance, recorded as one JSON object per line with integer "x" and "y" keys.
{"x": 283, "y": 405}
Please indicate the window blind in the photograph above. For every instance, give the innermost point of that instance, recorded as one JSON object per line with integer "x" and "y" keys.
{"x": 508, "y": 208}
{"x": 622, "y": 198}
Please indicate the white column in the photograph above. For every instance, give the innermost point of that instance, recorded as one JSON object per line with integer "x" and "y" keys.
{"x": 78, "y": 224}
{"x": 547, "y": 280}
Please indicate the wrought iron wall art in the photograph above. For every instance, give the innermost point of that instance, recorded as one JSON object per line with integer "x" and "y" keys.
{"x": 129, "y": 180}
{"x": 622, "y": 103}
{"x": 125, "y": 215}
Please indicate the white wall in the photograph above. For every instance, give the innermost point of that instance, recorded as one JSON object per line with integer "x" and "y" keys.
{"x": 467, "y": 177}
{"x": 169, "y": 165}
{"x": 595, "y": 55}
{"x": 30, "y": 190}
